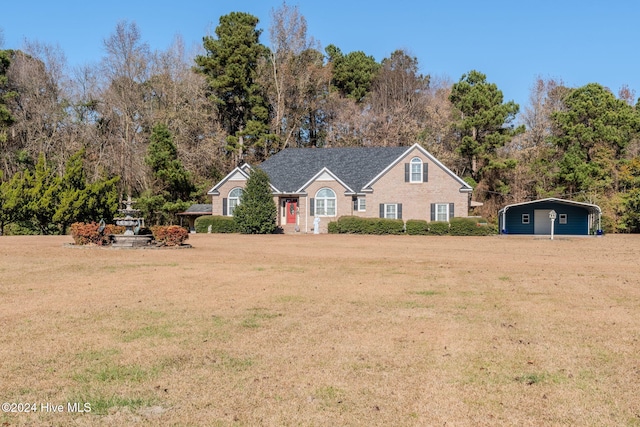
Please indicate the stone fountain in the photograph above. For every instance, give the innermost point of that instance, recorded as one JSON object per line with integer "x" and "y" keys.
{"x": 132, "y": 224}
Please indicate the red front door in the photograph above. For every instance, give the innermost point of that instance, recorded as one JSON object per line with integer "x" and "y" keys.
{"x": 292, "y": 208}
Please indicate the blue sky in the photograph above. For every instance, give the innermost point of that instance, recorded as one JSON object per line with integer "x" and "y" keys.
{"x": 512, "y": 42}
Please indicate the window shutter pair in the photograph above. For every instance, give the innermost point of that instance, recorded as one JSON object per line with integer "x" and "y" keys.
{"x": 398, "y": 210}
{"x": 425, "y": 172}
{"x": 433, "y": 211}
{"x": 312, "y": 207}
{"x": 224, "y": 206}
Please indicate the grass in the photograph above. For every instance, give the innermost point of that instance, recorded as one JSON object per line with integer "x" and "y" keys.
{"x": 101, "y": 405}
{"x": 149, "y": 331}
{"x": 317, "y": 330}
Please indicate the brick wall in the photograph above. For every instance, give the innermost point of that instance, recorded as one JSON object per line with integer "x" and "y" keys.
{"x": 416, "y": 198}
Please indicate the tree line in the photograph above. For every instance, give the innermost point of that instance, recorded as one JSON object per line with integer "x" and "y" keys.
{"x": 163, "y": 126}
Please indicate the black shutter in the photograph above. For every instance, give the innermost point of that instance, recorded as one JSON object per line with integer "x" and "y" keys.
{"x": 312, "y": 206}
{"x": 224, "y": 206}
{"x": 381, "y": 210}
{"x": 425, "y": 172}
{"x": 399, "y": 210}
{"x": 407, "y": 172}
{"x": 451, "y": 205}
{"x": 433, "y": 211}
{"x": 355, "y": 204}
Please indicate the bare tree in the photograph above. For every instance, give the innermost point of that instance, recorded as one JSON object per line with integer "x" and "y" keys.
{"x": 627, "y": 94}
{"x": 42, "y": 124}
{"x": 176, "y": 96}
{"x": 125, "y": 69}
{"x": 544, "y": 99}
{"x": 398, "y": 99}
{"x": 296, "y": 80}
{"x": 437, "y": 132}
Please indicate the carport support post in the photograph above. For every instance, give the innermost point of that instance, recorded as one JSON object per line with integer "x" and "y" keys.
{"x": 504, "y": 220}
{"x": 552, "y": 217}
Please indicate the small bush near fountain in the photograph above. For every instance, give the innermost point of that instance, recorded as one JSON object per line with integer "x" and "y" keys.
{"x": 88, "y": 233}
{"x": 170, "y": 235}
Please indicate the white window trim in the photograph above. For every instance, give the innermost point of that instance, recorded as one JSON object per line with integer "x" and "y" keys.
{"x": 231, "y": 208}
{"x": 446, "y": 205}
{"x": 526, "y": 218}
{"x": 563, "y": 219}
{"x": 362, "y": 204}
{"x": 324, "y": 200}
{"x": 415, "y": 161}
{"x": 395, "y": 212}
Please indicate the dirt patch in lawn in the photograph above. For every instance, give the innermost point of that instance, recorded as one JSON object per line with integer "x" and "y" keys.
{"x": 322, "y": 330}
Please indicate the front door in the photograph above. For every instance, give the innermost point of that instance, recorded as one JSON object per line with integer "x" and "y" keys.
{"x": 291, "y": 210}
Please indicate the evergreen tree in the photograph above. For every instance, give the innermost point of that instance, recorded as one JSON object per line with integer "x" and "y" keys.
{"x": 41, "y": 195}
{"x": 257, "y": 212}
{"x": 592, "y": 131}
{"x": 230, "y": 66}
{"x": 484, "y": 122}
{"x": 5, "y": 115}
{"x": 173, "y": 189}
{"x": 353, "y": 73}
{"x": 78, "y": 201}
{"x": 11, "y": 200}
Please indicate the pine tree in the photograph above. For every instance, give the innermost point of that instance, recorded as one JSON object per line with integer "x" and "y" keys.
{"x": 230, "y": 67}
{"x": 353, "y": 73}
{"x": 173, "y": 189}
{"x": 257, "y": 211}
{"x": 484, "y": 124}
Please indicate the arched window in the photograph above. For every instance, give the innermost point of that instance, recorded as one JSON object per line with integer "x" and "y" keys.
{"x": 234, "y": 199}
{"x": 325, "y": 202}
{"x": 416, "y": 169}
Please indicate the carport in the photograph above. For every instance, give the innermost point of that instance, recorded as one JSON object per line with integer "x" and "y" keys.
{"x": 572, "y": 218}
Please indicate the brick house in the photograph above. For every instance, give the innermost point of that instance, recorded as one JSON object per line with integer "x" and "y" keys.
{"x": 327, "y": 183}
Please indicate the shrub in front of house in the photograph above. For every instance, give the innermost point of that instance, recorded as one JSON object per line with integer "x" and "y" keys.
{"x": 438, "y": 228}
{"x": 469, "y": 227}
{"x": 387, "y": 226}
{"x": 219, "y": 224}
{"x": 170, "y": 235}
{"x": 358, "y": 225}
{"x": 417, "y": 227}
{"x": 257, "y": 212}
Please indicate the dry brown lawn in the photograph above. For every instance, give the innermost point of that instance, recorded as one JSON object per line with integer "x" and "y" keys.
{"x": 323, "y": 330}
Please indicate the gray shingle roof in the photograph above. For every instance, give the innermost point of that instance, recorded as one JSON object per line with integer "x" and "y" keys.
{"x": 291, "y": 168}
{"x": 198, "y": 209}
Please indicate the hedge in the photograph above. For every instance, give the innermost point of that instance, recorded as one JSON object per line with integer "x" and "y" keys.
{"x": 417, "y": 227}
{"x": 358, "y": 225}
{"x": 219, "y": 224}
{"x": 438, "y": 228}
{"x": 469, "y": 227}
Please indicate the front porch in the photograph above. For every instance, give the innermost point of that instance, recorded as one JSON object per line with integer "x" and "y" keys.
{"x": 289, "y": 214}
